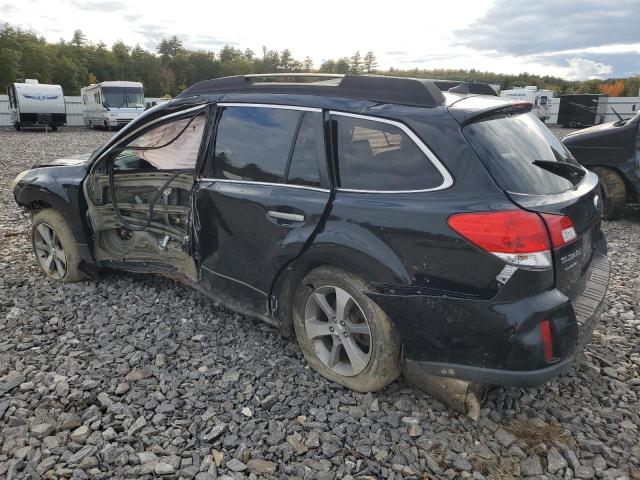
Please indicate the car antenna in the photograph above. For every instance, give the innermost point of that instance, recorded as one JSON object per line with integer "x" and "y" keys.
{"x": 617, "y": 114}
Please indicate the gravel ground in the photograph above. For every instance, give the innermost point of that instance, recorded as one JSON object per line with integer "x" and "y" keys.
{"x": 130, "y": 376}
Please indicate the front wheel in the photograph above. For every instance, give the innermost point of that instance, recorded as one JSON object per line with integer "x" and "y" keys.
{"x": 614, "y": 191}
{"x": 343, "y": 334}
{"x": 55, "y": 246}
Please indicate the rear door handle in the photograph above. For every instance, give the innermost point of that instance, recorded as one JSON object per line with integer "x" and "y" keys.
{"x": 290, "y": 217}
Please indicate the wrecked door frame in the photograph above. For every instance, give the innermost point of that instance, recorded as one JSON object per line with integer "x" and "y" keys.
{"x": 181, "y": 268}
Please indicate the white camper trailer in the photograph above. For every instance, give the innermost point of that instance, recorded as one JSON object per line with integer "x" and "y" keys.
{"x": 36, "y": 104}
{"x": 540, "y": 99}
{"x": 111, "y": 104}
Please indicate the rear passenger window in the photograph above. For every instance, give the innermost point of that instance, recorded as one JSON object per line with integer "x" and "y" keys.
{"x": 374, "y": 155}
{"x": 308, "y": 152}
{"x": 253, "y": 143}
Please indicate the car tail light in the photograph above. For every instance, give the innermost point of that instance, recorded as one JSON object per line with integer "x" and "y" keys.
{"x": 547, "y": 340}
{"x": 516, "y": 236}
{"x": 561, "y": 229}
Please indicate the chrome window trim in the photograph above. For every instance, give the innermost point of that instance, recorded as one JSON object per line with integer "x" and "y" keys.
{"x": 447, "y": 179}
{"x": 268, "y": 105}
{"x": 268, "y": 184}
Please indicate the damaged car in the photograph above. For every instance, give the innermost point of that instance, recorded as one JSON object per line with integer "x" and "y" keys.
{"x": 612, "y": 151}
{"x": 392, "y": 227}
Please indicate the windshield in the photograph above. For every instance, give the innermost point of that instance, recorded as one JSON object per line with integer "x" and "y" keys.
{"x": 119, "y": 97}
{"x": 520, "y": 151}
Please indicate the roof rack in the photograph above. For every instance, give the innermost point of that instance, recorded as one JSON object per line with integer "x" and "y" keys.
{"x": 405, "y": 91}
{"x": 378, "y": 88}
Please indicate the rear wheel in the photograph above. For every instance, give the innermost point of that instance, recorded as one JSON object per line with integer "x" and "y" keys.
{"x": 55, "y": 246}
{"x": 343, "y": 334}
{"x": 17, "y": 126}
{"x": 614, "y": 192}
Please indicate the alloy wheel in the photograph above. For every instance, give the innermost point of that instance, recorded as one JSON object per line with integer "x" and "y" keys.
{"x": 338, "y": 330}
{"x": 49, "y": 251}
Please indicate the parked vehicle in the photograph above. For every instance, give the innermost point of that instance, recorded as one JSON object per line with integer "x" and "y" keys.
{"x": 112, "y": 104}
{"x": 612, "y": 151}
{"x": 391, "y": 226}
{"x": 583, "y": 110}
{"x": 540, "y": 99}
{"x": 36, "y": 104}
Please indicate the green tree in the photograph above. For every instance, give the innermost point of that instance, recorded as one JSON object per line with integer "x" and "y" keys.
{"x": 355, "y": 63}
{"x": 369, "y": 62}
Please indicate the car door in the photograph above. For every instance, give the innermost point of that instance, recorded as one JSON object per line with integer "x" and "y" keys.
{"x": 260, "y": 199}
{"x": 139, "y": 196}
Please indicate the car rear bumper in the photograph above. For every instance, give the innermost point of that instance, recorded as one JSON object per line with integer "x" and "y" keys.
{"x": 519, "y": 362}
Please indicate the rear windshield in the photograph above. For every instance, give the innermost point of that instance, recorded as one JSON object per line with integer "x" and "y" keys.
{"x": 520, "y": 153}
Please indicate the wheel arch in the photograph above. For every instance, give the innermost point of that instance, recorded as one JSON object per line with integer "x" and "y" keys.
{"x": 630, "y": 186}
{"x": 363, "y": 263}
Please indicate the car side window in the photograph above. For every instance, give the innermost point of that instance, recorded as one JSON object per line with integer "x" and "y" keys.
{"x": 253, "y": 143}
{"x": 379, "y": 156}
{"x": 172, "y": 145}
{"x": 308, "y": 152}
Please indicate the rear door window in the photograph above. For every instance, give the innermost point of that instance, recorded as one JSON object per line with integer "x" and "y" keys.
{"x": 520, "y": 152}
{"x": 380, "y": 156}
{"x": 253, "y": 143}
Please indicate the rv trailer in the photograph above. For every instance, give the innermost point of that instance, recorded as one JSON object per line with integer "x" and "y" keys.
{"x": 111, "y": 104}
{"x": 540, "y": 99}
{"x": 36, "y": 104}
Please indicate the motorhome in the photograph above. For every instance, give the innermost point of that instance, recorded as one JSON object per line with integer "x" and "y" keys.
{"x": 36, "y": 104}
{"x": 111, "y": 104}
{"x": 540, "y": 99}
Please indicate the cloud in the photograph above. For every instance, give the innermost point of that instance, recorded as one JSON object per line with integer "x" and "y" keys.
{"x": 523, "y": 28}
{"x": 7, "y": 8}
{"x": 585, "y": 64}
{"x": 581, "y": 68}
{"x": 109, "y": 6}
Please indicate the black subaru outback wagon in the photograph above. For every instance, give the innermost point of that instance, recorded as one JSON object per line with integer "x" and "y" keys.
{"x": 392, "y": 226}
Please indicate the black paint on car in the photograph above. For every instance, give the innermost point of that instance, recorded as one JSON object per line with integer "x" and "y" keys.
{"x": 612, "y": 150}
{"x": 393, "y": 227}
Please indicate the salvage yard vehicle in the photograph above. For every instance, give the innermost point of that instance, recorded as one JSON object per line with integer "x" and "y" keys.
{"x": 612, "y": 150}
{"x": 392, "y": 226}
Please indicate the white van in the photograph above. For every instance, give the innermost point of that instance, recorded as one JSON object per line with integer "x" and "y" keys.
{"x": 540, "y": 99}
{"x": 111, "y": 104}
{"x": 36, "y": 104}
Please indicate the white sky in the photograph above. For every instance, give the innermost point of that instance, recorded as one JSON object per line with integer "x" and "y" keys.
{"x": 403, "y": 34}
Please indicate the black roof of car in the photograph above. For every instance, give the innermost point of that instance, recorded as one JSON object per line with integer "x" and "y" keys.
{"x": 383, "y": 89}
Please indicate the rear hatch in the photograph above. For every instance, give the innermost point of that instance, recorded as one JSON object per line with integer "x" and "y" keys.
{"x": 540, "y": 175}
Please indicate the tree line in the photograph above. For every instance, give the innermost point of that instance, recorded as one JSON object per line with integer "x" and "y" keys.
{"x": 171, "y": 68}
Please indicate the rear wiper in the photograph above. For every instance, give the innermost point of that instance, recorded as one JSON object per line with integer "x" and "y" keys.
{"x": 573, "y": 173}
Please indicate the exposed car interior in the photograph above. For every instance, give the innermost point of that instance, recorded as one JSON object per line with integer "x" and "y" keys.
{"x": 139, "y": 196}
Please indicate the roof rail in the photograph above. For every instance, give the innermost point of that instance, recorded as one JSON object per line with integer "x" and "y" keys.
{"x": 377, "y": 88}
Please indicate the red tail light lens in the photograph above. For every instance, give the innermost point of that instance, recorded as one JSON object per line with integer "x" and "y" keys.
{"x": 516, "y": 236}
{"x": 560, "y": 228}
{"x": 547, "y": 340}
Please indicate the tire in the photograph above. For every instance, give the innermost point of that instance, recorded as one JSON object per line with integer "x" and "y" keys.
{"x": 65, "y": 256}
{"x": 54, "y": 128}
{"x": 382, "y": 364}
{"x": 17, "y": 126}
{"x": 614, "y": 192}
